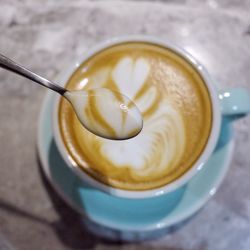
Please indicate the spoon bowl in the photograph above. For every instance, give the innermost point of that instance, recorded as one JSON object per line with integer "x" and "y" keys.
{"x": 106, "y": 113}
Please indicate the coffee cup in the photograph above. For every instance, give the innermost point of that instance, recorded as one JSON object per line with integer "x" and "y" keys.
{"x": 181, "y": 108}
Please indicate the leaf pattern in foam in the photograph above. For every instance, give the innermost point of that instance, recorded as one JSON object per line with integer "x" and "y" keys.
{"x": 130, "y": 75}
{"x": 160, "y": 143}
{"x": 142, "y": 151}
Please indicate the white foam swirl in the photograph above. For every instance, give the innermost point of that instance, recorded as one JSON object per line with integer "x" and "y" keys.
{"x": 161, "y": 143}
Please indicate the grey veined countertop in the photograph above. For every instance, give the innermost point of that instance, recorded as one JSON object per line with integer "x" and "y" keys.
{"x": 46, "y": 35}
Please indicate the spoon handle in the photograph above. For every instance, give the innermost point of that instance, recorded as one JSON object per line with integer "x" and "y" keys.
{"x": 8, "y": 64}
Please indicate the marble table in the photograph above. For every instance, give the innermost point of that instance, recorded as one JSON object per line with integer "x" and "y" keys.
{"x": 46, "y": 35}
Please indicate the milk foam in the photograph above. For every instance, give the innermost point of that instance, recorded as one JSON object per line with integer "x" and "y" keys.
{"x": 162, "y": 140}
{"x": 163, "y": 133}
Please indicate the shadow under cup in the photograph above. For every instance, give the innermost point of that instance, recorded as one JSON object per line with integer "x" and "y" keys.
{"x": 112, "y": 65}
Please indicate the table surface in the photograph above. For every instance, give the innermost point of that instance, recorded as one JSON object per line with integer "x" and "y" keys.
{"x": 46, "y": 36}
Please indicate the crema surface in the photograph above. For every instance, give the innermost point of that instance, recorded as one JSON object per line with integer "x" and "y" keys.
{"x": 176, "y": 110}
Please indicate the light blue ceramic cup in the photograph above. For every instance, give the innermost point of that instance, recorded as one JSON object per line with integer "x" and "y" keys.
{"x": 230, "y": 102}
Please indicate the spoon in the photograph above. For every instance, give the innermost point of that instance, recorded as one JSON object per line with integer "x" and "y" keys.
{"x": 105, "y": 113}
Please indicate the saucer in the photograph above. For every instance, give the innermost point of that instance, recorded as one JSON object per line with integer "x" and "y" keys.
{"x": 124, "y": 215}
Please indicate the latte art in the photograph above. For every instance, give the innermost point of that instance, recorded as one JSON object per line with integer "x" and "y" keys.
{"x": 163, "y": 129}
{"x": 176, "y": 110}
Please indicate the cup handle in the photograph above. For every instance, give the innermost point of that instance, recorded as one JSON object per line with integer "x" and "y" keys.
{"x": 235, "y": 102}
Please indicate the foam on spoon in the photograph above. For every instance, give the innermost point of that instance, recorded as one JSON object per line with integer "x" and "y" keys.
{"x": 106, "y": 113}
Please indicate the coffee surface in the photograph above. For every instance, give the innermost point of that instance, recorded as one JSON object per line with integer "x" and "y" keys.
{"x": 173, "y": 101}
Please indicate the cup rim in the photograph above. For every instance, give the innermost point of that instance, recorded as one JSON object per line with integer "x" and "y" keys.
{"x": 199, "y": 163}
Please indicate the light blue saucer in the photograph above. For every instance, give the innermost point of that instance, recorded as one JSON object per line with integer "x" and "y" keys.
{"x": 123, "y": 215}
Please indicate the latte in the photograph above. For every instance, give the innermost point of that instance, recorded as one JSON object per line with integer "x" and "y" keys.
{"x": 175, "y": 105}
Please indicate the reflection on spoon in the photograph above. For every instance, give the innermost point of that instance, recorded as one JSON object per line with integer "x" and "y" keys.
{"x": 103, "y": 112}
{"x": 106, "y": 113}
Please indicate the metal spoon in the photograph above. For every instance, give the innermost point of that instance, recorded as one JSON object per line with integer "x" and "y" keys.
{"x": 106, "y": 113}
